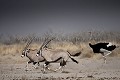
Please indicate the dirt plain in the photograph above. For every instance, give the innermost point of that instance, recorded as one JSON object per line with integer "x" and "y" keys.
{"x": 87, "y": 69}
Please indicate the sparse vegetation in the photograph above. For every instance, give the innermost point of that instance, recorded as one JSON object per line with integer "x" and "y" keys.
{"x": 12, "y": 45}
{"x": 90, "y": 68}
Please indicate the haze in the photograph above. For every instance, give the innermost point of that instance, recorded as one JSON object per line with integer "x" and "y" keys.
{"x": 59, "y": 16}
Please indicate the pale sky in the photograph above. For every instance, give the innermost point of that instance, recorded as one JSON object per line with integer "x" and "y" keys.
{"x": 66, "y": 16}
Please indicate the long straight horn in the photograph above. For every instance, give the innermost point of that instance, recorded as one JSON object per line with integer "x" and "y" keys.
{"x": 43, "y": 44}
{"x": 48, "y": 41}
{"x": 29, "y": 43}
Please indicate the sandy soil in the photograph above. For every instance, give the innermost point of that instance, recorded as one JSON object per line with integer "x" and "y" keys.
{"x": 87, "y": 69}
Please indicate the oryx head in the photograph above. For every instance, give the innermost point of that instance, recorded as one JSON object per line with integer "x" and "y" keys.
{"x": 44, "y": 45}
{"x": 26, "y": 50}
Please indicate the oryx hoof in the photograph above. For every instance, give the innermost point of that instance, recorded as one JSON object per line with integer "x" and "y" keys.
{"x": 26, "y": 70}
{"x": 44, "y": 72}
{"x": 36, "y": 67}
{"x": 55, "y": 70}
{"x": 105, "y": 62}
{"x": 65, "y": 72}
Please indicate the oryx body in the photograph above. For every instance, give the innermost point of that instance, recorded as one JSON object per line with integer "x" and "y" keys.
{"x": 31, "y": 55}
{"x": 56, "y": 56}
{"x": 52, "y": 55}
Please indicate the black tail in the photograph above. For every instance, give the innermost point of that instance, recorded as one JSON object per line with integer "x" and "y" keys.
{"x": 73, "y": 58}
{"x": 76, "y": 54}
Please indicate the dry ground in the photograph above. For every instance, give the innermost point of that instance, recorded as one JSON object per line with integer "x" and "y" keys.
{"x": 90, "y": 67}
{"x": 87, "y": 69}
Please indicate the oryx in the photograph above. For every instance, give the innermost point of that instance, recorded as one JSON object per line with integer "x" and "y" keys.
{"x": 31, "y": 54}
{"x": 55, "y": 56}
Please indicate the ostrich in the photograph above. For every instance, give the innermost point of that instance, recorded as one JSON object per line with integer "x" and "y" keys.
{"x": 104, "y": 48}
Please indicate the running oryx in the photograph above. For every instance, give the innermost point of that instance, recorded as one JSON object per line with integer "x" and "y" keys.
{"x": 31, "y": 54}
{"x": 55, "y": 56}
{"x": 104, "y": 48}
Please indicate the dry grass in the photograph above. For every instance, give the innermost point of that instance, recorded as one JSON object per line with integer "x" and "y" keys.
{"x": 12, "y": 53}
{"x": 65, "y": 46}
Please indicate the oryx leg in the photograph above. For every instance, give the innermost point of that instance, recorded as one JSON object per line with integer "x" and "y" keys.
{"x": 58, "y": 68}
{"x": 62, "y": 64}
{"x": 34, "y": 65}
{"x": 46, "y": 66}
{"x": 27, "y": 65}
{"x": 38, "y": 63}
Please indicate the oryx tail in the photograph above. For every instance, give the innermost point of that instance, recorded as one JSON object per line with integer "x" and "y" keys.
{"x": 77, "y": 54}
